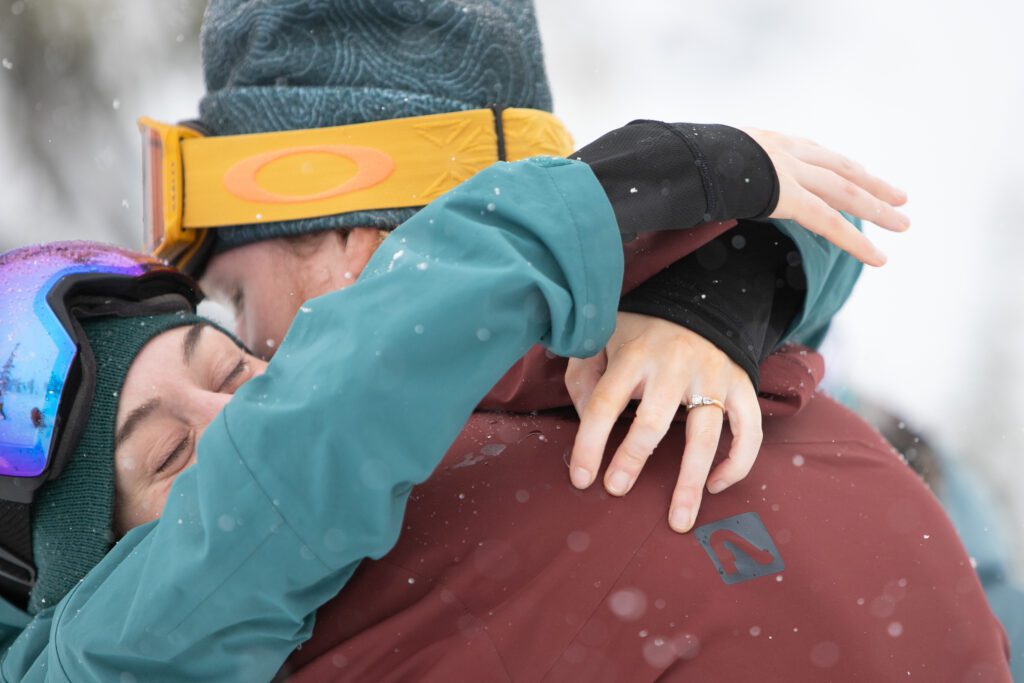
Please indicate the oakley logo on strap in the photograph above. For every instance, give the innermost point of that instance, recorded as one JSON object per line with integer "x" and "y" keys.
{"x": 740, "y": 547}
{"x": 372, "y": 168}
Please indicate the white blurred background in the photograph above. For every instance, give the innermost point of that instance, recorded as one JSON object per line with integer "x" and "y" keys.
{"x": 927, "y": 94}
{"x": 923, "y": 92}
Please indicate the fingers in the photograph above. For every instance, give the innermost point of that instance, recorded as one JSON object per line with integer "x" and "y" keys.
{"x": 846, "y": 195}
{"x": 602, "y": 409}
{"x": 850, "y": 170}
{"x": 659, "y": 405}
{"x": 812, "y": 177}
{"x": 745, "y": 424}
{"x": 703, "y": 430}
{"x": 813, "y": 213}
{"x": 660, "y": 364}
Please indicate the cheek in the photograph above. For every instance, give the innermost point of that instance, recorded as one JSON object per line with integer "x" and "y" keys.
{"x": 140, "y": 506}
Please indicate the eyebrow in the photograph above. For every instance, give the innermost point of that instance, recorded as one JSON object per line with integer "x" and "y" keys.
{"x": 134, "y": 419}
{"x": 191, "y": 342}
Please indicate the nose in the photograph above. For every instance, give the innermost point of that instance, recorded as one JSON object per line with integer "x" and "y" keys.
{"x": 258, "y": 342}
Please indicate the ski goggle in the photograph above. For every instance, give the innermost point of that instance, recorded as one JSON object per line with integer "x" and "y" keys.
{"x": 41, "y": 366}
{"x": 193, "y": 183}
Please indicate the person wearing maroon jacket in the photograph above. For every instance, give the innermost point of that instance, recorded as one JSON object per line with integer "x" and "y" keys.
{"x": 831, "y": 561}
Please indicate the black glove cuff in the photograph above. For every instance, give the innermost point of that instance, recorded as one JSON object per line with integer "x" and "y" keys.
{"x": 741, "y": 292}
{"x": 739, "y": 177}
{"x": 661, "y": 176}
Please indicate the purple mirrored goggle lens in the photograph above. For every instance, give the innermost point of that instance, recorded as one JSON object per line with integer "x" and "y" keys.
{"x": 37, "y": 352}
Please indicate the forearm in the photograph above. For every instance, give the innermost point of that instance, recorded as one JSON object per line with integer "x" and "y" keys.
{"x": 668, "y": 176}
{"x": 662, "y": 176}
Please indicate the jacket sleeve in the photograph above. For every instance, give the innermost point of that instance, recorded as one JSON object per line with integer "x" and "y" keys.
{"x": 661, "y": 176}
{"x": 308, "y": 468}
{"x": 672, "y": 190}
{"x": 830, "y": 274}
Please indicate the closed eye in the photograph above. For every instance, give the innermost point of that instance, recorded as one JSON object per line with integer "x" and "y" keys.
{"x": 182, "y": 447}
{"x": 233, "y": 375}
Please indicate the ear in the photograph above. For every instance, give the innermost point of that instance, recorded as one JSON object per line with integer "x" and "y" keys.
{"x": 358, "y": 248}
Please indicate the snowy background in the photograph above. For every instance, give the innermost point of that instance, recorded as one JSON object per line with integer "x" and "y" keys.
{"x": 922, "y": 92}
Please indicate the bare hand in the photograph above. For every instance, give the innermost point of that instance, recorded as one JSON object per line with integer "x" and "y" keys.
{"x": 815, "y": 184}
{"x": 662, "y": 364}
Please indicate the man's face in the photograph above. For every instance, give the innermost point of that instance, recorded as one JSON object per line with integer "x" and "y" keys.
{"x": 265, "y": 283}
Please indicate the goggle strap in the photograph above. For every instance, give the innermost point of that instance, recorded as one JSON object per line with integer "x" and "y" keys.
{"x": 499, "y": 129}
{"x": 17, "y": 570}
{"x": 86, "y": 307}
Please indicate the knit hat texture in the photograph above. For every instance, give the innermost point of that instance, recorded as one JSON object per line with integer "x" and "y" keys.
{"x": 72, "y": 516}
{"x": 274, "y": 65}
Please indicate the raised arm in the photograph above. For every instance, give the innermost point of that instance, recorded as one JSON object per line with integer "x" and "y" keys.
{"x": 662, "y": 175}
{"x": 308, "y": 469}
{"x": 710, "y": 319}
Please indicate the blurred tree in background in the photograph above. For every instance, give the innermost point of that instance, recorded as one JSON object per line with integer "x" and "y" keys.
{"x": 71, "y": 85}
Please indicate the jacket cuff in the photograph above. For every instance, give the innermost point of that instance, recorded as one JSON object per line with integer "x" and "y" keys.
{"x": 741, "y": 178}
{"x": 601, "y": 260}
{"x": 659, "y": 176}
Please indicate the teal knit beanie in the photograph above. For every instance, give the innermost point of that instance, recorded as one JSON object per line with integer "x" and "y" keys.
{"x": 72, "y": 516}
{"x": 275, "y": 65}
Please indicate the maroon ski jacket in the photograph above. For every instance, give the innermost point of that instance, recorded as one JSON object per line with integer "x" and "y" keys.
{"x": 831, "y": 561}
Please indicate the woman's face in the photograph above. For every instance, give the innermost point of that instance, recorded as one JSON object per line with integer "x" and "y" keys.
{"x": 175, "y": 387}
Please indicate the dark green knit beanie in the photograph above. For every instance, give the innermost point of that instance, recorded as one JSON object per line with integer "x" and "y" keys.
{"x": 72, "y": 517}
{"x": 275, "y": 65}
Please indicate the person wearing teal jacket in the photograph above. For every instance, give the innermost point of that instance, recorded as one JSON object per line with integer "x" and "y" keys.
{"x": 307, "y": 470}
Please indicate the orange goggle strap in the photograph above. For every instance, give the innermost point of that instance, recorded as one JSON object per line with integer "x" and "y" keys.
{"x": 223, "y": 181}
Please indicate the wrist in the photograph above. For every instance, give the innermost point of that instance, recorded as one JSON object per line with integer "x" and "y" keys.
{"x": 740, "y": 178}
{"x": 687, "y": 308}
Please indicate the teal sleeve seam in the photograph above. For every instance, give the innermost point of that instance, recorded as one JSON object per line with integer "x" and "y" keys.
{"x": 55, "y": 631}
{"x": 269, "y": 499}
{"x": 227, "y": 578}
{"x": 579, "y": 244}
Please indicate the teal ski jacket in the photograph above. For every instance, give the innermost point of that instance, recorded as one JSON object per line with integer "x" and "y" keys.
{"x": 308, "y": 469}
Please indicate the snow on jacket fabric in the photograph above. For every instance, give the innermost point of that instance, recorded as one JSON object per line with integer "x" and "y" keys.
{"x": 308, "y": 468}
{"x": 831, "y": 561}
